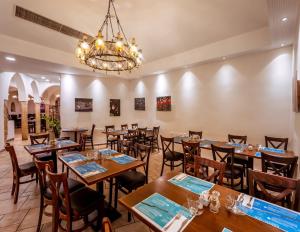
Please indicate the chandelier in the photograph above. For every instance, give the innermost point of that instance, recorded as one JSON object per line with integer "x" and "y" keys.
{"x": 109, "y": 50}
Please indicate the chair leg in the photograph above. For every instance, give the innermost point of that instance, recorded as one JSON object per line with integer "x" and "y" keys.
{"x": 129, "y": 213}
{"x": 13, "y": 187}
{"x": 40, "y": 213}
{"x": 162, "y": 168}
{"x": 110, "y": 191}
{"x": 116, "y": 194}
{"x": 63, "y": 168}
{"x": 69, "y": 225}
{"x": 92, "y": 144}
{"x": 17, "y": 191}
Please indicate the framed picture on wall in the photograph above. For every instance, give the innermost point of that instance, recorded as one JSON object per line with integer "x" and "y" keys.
{"x": 139, "y": 103}
{"x": 115, "y": 107}
{"x": 83, "y": 105}
{"x": 163, "y": 103}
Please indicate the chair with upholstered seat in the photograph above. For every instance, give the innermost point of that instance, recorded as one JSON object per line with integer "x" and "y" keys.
{"x": 125, "y": 147}
{"x": 290, "y": 189}
{"x": 203, "y": 166}
{"x": 90, "y": 137}
{"x": 232, "y": 172}
{"x": 73, "y": 206}
{"x": 190, "y": 151}
{"x": 170, "y": 156}
{"x": 199, "y": 133}
{"x": 134, "y": 126}
{"x": 43, "y": 138}
{"x": 45, "y": 192}
{"x": 20, "y": 171}
{"x": 111, "y": 140}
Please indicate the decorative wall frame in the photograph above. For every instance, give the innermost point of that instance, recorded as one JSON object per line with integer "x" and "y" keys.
{"x": 115, "y": 107}
{"x": 139, "y": 104}
{"x": 83, "y": 105}
{"x": 163, "y": 103}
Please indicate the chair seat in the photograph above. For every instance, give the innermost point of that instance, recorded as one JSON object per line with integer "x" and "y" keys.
{"x": 173, "y": 156}
{"x": 73, "y": 185}
{"x": 131, "y": 179}
{"x": 27, "y": 168}
{"x": 236, "y": 173}
{"x": 85, "y": 200}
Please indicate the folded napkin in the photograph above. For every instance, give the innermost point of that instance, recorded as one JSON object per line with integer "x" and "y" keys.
{"x": 176, "y": 224}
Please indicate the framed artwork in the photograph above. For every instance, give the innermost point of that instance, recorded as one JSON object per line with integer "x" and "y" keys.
{"x": 83, "y": 105}
{"x": 163, "y": 103}
{"x": 115, "y": 107}
{"x": 139, "y": 103}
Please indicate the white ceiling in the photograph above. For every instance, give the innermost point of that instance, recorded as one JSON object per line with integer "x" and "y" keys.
{"x": 162, "y": 28}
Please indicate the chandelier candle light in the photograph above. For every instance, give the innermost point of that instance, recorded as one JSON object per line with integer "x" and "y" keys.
{"x": 111, "y": 52}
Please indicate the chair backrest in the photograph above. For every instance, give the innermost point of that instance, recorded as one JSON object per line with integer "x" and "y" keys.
{"x": 202, "y": 170}
{"x": 156, "y": 131}
{"x": 190, "y": 151}
{"x": 142, "y": 132}
{"x": 143, "y": 152}
{"x": 41, "y": 169}
{"x": 241, "y": 139}
{"x": 134, "y": 125}
{"x": 278, "y": 165}
{"x": 106, "y": 225}
{"x": 93, "y": 129}
{"x": 13, "y": 157}
{"x": 290, "y": 188}
{"x": 222, "y": 154}
{"x": 39, "y": 138}
{"x": 199, "y": 133}
{"x": 124, "y": 146}
{"x": 108, "y": 129}
{"x": 58, "y": 181}
{"x": 278, "y": 143}
{"x": 167, "y": 145}
{"x": 124, "y": 127}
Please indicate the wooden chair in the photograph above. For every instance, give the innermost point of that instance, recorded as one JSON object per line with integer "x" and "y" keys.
{"x": 43, "y": 138}
{"x": 111, "y": 140}
{"x": 19, "y": 171}
{"x": 170, "y": 155}
{"x": 134, "y": 126}
{"x": 106, "y": 225}
{"x": 190, "y": 151}
{"x": 132, "y": 135}
{"x": 202, "y": 166}
{"x": 232, "y": 171}
{"x": 73, "y": 206}
{"x": 124, "y": 127}
{"x": 142, "y": 135}
{"x": 125, "y": 147}
{"x": 90, "y": 138}
{"x": 45, "y": 192}
{"x": 199, "y": 133}
{"x": 278, "y": 143}
{"x": 290, "y": 188}
{"x": 240, "y": 159}
{"x": 278, "y": 165}
{"x": 133, "y": 179}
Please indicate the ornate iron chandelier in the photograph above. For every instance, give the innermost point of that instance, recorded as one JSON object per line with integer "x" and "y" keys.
{"x": 110, "y": 49}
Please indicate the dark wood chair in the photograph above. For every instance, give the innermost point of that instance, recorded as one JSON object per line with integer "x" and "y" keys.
{"x": 199, "y": 133}
{"x": 124, "y": 127}
{"x": 106, "y": 225}
{"x": 170, "y": 156}
{"x": 125, "y": 147}
{"x": 45, "y": 192}
{"x": 73, "y": 206}
{"x": 134, "y": 126}
{"x": 232, "y": 171}
{"x": 43, "y": 138}
{"x": 190, "y": 151}
{"x": 111, "y": 141}
{"x": 142, "y": 135}
{"x": 133, "y": 179}
{"x": 19, "y": 171}
{"x": 290, "y": 189}
{"x": 90, "y": 137}
{"x": 203, "y": 166}
{"x": 240, "y": 159}
{"x": 155, "y": 142}
{"x": 278, "y": 143}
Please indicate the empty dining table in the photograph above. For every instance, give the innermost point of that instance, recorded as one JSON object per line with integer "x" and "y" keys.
{"x": 75, "y": 131}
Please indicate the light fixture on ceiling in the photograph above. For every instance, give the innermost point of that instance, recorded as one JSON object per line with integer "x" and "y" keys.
{"x": 57, "y": 95}
{"x": 14, "y": 96}
{"x": 10, "y": 58}
{"x": 110, "y": 50}
{"x": 282, "y": 45}
{"x": 47, "y": 80}
{"x": 43, "y": 78}
{"x": 284, "y": 19}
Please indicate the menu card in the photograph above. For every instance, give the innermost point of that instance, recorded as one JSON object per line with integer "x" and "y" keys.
{"x": 90, "y": 169}
{"x": 107, "y": 152}
{"x": 123, "y": 159}
{"x": 73, "y": 158}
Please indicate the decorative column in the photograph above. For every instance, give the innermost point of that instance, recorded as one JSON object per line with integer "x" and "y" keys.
{"x": 6, "y": 114}
{"x": 24, "y": 119}
{"x": 47, "y": 113}
{"x": 37, "y": 111}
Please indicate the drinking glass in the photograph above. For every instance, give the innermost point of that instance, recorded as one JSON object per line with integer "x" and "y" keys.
{"x": 215, "y": 204}
{"x": 194, "y": 206}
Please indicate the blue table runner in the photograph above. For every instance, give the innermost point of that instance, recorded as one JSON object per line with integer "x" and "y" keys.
{"x": 160, "y": 210}
{"x": 90, "y": 169}
{"x": 192, "y": 184}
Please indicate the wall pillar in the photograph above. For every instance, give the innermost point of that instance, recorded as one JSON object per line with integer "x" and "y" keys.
{"x": 24, "y": 119}
{"x": 5, "y": 114}
{"x": 37, "y": 111}
{"x": 47, "y": 112}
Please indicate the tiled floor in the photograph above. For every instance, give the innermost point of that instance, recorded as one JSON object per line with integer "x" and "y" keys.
{"x": 23, "y": 215}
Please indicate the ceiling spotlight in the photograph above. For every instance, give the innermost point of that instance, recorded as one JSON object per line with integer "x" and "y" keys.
{"x": 284, "y": 19}
{"x": 9, "y": 58}
{"x": 15, "y": 96}
{"x": 43, "y": 78}
{"x": 282, "y": 45}
{"x": 47, "y": 80}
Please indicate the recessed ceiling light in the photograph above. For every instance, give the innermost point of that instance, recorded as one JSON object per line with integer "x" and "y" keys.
{"x": 282, "y": 45}
{"x": 284, "y": 19}
{"x": 9, "y": 58}
{"x": 43, "y": 78}
{"x": 47, "y": 80}
{"x": 57, "y": 96}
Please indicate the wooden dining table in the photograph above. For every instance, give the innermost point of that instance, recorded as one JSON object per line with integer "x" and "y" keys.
{"x": 76, "y": 131}
{"x": 53, "y": 148}
{"x": 113, "y": 169}
{"x": 207, "y": 221}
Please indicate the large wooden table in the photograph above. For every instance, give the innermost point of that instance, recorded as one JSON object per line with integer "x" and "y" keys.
{"x": 53, "y": 148}
{"x": 76, "y": 131}
{"x": 208, "y": 221}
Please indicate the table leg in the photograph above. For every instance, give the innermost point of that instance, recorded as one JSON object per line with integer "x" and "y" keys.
{"x": 54, "y": 159}
{"x": 250, "y": 166}
{"x": 75, "y": 136}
